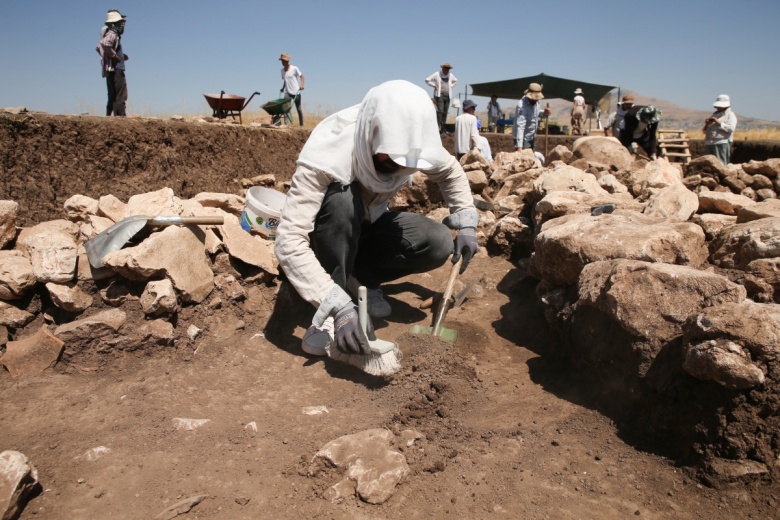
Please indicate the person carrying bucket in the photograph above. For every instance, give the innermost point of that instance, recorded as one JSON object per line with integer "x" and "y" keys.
{"x": 337, "y": 233}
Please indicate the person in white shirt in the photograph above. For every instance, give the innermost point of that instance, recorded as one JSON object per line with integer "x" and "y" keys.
{"x": 466, "y": 131}
{"x": 443, "y": 83}
{"x": 577, "y": 112}
{"x": 293, "y": 84}
{"x": 527, "y": 118}
{"x": 337, "y": 233}
{"x": 493, "y": 113}
{"x": 719, "y": 129}
{"x": 615, "y": 121}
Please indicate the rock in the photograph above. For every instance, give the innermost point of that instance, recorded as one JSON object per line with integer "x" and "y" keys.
{"x": 559, "y": 203}
{"x": 509, "y": 232}
{"x": 14, "y": 317}
{"x": 181, "y": 507}
{"x": 706, "y": 165}
{"x": 605, "y": 150}
{"x": 509, "y": 163}
{"x": 18, "y": 482}
{"x": 175, "y": 252}
{"x": 765, "y": 194}
{"x": 69, "y": 298}
{"x": 724, "y": 362}
{"x": 656, "y": 175}
{"x": 723, "y": 202}
{"x": 53, "y": 255}
{"x": 248, "y": 248}
{"x": 33, "y": 354}
{"x": 314, "y": 410}
{"x": 759, "y": 210}
{"x": 16, "y": 275}
{"x": 233, "y": 204}
{"x": 93, "y": 225}
{"x": 652, "y": 300}
{"x": 91, "y": 328}
{"x": 478, "y": 181}
{"x": 230, "y": 287}
{"x": 79, "y": 207}
{"x": 111, "y": 207}
{"x": 150, "y": 333}
{"x": 566, "y": 244}
{"x": 96, "y": 453}
{"x": 674, "y": 202}
{"x": 724, "y": 473}
{"x": 559, "y": 153}
{"x": 9, "y": 211}
{"x": 610, "y": 183}
{"x": 738, "y": 245}
{"x": 159, "y": 297}
{"x": 268, "y": 180}
{"x": 189, "y": 425}
{"x": 119, "y": 291}
{"x": 713, "y": 223}
{"x": 153, "y": 204}
{"x": 566, "y": 178}
{"x": 193, "y": 332}
{"x": 366, "y": 463}
{"x": 50, "y": 226}
{"x": 769, "y": 168}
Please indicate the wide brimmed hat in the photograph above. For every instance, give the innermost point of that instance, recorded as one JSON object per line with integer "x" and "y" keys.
{"x": 468, "y": 104}
{"x": 723, "y": 101}
{"x": 578, "y": 91}
{"x": 114, "y": 16}
{"x": 447, "y": 65}
{"x": 285, "y": 57}
{"x": 648, "y": 114}
{"x": 534, "y": 91}
{"x": 628, "y": 99}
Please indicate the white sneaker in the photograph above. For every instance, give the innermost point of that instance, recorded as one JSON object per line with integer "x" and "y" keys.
{"x": 377, "y": 305}
{"x": 317, "y": 340}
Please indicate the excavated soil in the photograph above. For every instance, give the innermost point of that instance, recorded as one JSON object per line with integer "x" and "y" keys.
{"x": 509, "y": 427}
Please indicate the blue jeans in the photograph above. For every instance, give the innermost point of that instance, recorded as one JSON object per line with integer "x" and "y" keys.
{"x": 397, "y": 244}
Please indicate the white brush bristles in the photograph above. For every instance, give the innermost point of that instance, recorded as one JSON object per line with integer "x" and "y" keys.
{"x": 375, "y": 364}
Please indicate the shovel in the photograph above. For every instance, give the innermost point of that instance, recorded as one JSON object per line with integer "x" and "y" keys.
{"x": 446, "y": 303}
{"x": 115, "y": 237}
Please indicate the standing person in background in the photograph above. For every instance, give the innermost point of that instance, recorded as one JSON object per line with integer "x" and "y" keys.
{"x": 443, "y": 83}
{"x": 493, "y": 113}
{"x": 527, "y": 117}
{"x": 577, "y": 112}
{"x": 615, "y": 121}
{"x": 113, "y": 63}
{"x": 641, "y": 126}
{"x": 466, "y": 130}
{"x": 293, "y": 84}
{"x": 719, "y": 129}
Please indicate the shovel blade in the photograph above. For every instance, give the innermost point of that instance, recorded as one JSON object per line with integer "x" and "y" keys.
{"x": 113, "y": 239}
{"x": 450, "y": 335}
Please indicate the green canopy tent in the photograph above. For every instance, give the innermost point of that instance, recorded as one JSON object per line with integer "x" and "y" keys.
{"x": 552, "y": 87}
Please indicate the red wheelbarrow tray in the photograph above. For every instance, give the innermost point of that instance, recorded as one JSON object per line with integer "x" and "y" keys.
{"x": 225, "y": 105}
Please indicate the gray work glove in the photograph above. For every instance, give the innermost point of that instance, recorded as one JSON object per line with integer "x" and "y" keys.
{"x": 466, "y": 245}
{"x": 349, "y": 337}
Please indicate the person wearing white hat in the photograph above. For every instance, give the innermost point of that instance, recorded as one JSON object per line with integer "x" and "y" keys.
{"x": 466, "y": 131}
{"x": 443, "y": 83}
{"x": 719, "y": 129}
{"x": 526, "y": 121}
{"x": 113, "y": 63}
{"x": 293, "y": 84}
{"x": 337, "y": 233}
{"x": 577, "y": 112}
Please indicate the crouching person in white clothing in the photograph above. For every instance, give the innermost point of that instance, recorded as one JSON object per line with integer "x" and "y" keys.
{"x": 336, "y": 231}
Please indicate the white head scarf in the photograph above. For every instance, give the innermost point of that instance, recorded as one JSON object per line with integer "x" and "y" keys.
{"x": 396, "y": 118}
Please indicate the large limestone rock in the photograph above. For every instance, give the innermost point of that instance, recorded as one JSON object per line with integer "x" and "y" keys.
{"x": 366, "y": 463}
{"x": 248, "y": 248}
{"x": 8, "y": 215}
{"x": 53, "y": 255}
{"x": 159, "y": 297}
{"x": 508, "y": 233}
{"x": 33, "y": 354}
{"x": 652, "y": 300}
{"x": 153, "y": 204}
{"x": 723, "y": 202}
{"x": 78, "y": 207}
{"x": 176, "y": 252}
{"x": 654, "y": 176}
{"x": 713, "y": 223}
{"x": 228, "y": 202}
{"x": 764, "y": 209}
{"x": 605, "y": 150}
{"x": 566, "y": 244}
{"x": 69, "y": 297}
{"x": 707, "y": 166}
{"x": 16, "y": 275}
{"x": 18, "y": 481}
{"x": 111, "y": 207}
{"x": 567, "y": 178}
{"x": 559, "y": 203}
{"x": 738, "y": 245}
{"x": 510, "y": 163}
{"x": 14, "y": 317}
{"x": 674, "y": 202}
{"x": 732, "y": 343}
{"x": 769, "y": 168}
{"x": 559, "y": 153}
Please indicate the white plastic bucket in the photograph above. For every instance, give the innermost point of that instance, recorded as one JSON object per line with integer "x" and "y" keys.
{"x": 262, "y": 211}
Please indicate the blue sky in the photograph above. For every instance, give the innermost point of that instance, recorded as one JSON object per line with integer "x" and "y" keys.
{"x": 683, "y": 51}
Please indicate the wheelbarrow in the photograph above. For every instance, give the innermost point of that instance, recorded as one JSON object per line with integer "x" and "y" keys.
{"x": 228, "y": 104}
{"x": 279, "y": 109}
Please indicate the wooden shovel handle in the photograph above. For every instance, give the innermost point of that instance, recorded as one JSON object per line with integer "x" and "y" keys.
{"x": 445, "y": 300}
{"x": 185, "y": 221}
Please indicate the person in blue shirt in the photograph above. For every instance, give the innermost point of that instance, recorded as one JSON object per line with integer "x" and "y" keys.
{"x": 527, "y": 117}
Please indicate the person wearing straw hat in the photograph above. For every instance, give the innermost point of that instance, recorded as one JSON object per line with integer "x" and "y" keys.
{"x": 336, "y": 231}
{"x": 466, "y": 129}
{"x": 719, "y": 129}
{"x": 615, "y": 120}
{"x": 577, "y": 112}
{"x": 641, "y": 126}
{"x": 113, "y": 62}
{"x": 443, "y": 83}
{"x": 526, "y": 121}
{"x": 293, "y": 84}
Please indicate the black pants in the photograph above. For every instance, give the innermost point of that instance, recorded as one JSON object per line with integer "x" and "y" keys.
{"x": 397, "y": 244}
{"x": 297, "y": 106}
{"x": 117, "y": 92}
{"x": 442, "y": 109}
